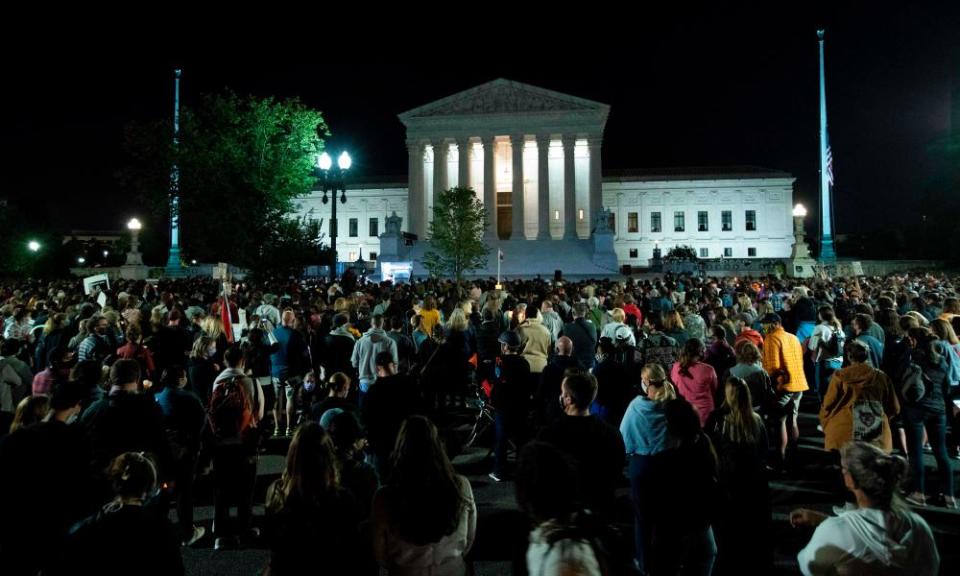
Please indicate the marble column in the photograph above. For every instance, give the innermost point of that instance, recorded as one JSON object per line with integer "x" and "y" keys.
{"x": 489, "y": 187}
{"x": 516, "y": 147}
{"x": 596, "y": 181}
{"x": 463, "y": 149}
{"x": 440, "y": 152}
{"x": 569, "y": 191}
{"x": 543, "y": 187}
{"x": 415, "y": 204}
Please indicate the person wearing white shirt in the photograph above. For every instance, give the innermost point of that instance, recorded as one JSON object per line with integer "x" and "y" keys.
{"x": 879, "y": 536}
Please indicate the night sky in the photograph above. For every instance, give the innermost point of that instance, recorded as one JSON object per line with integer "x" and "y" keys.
{"x": 691, "y": 88}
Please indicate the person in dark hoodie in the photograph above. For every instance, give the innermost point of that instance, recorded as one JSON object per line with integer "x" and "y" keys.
{"x": 548, "y": 409}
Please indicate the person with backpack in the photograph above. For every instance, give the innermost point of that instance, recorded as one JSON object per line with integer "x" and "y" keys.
{"x": 858, "y": 403}
{"x": 235, "y": 411}
{"x": 923, "y": 378}
{"x": 827, "y": 346}
{"x": 656, "y": 346}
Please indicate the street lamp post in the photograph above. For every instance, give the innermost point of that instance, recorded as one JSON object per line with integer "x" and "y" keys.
{"x": 332, "y": 180}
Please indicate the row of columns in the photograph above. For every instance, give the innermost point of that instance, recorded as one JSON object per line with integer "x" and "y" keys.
{"x": 417, "y": 218}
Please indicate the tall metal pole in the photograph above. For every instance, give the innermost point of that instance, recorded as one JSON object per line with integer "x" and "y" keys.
{"x": 335, "y": 229}
{"x": 827, "y": 252}
{"x": 173, "y": 268}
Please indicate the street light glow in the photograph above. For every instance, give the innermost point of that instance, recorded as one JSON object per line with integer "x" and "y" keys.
{"x": 799, "y": 210}
{"x": 324, "y": 161}
{"x": 344, "y": 161}
{"x": 81, "y": 260}
{"x": 106, "y": 253}
{"x": 134, "y": 224}
{"x": 33, "y": 245}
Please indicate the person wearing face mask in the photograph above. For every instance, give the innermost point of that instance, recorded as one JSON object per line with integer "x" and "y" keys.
{"x": 644, "y": 431}
{"x": 50, "y": 490}
{"x": 596, "y": 447}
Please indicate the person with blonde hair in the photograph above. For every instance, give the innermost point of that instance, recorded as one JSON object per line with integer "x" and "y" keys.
{"x": 31, "y": 410}
{"x": 673, "y": 327}
{"x": 644, "y": 432}
{"x": 617, "y": 318}
{"x": 879, "y": 536}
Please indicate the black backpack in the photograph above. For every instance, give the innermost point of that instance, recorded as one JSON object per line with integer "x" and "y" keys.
{"x": 833, "y": 347}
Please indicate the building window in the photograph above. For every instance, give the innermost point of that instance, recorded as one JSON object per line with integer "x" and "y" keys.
{"x": 728, "y": 252}
{"x": 351, "y": 256}
{"x": 373, "y": 255}
{"x": 751, "y": 220}
{"x": 655, "y": 222}
{"x": 703, "y": 221}
{"x": 633, "y": 222}
{"x": 354, "y": 225}
{"x": 580, "y": 214}
{"x": 679, "y": 222}
{"x": 633, "y": 252}
{"x": 613, "y": 222}
{"x": 556, "y": 215}
{"x": 751, "y": 252}
{"x": 704, "y": 252}
{"x": 374, "y": 227}
{"x": 726, "y": 221}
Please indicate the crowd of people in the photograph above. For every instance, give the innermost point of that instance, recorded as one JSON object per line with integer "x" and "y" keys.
{"x": 640, "y": 420}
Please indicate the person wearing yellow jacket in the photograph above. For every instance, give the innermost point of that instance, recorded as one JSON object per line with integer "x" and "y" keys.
{"x": 783, "y": 361}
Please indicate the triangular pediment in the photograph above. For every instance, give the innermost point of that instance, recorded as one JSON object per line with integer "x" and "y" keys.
{"x": 503, "y": 96}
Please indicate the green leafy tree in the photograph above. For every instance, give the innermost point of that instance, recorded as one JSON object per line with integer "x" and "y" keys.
{"x": 681, "y": 253}
{"x": 456, "y": 234}
{"x": 242, "y": 163}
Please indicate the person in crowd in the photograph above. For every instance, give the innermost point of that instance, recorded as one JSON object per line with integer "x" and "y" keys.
{"x": 548, "y": 492}
{"x": 859, "y": 403}
{"x": 289, "y": 362}
{"x": 184, "y": 418}
{"x": 596, "y": 447}
{"x": 311, "y": 517}
{"x": 424, "y": 516}
{"x": 783, "y": 361}
{"x": 582, "y": 334}
{"x": 879, "y": 535}
{"x": 827, "y": 346}
{"x": 644, "y": 433}
{"x": 924, "y": 377}
{"x": 744, "y": 519}
{"x": 694, "y": 379}
{"x": 126, "y": 534}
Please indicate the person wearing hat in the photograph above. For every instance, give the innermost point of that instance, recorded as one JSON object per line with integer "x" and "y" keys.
{"x": 511, "y": 401}
{"x": 783, "y": 361}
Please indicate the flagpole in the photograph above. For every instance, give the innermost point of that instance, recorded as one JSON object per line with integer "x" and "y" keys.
{"x": 827, "y": 252}
{"x": 499, "y": 258}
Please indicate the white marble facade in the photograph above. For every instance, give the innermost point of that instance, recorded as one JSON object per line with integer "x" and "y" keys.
{"x": 547, "y": 188}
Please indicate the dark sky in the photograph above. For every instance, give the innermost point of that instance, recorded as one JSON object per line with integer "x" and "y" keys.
{"x": 690, "y": 88}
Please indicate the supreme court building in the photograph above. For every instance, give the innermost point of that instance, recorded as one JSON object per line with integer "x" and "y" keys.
{"x": 534, "y": 157}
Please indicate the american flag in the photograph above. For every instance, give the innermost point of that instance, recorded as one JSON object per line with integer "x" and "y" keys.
{"x": 500, "y": 254}
{"x": 829, "y": 162}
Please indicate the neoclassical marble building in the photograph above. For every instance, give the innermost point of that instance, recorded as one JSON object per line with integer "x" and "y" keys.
{"x": 534, "y": 157}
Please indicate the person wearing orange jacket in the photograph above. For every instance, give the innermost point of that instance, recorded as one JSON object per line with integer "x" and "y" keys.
{"x": 783, "y": 361}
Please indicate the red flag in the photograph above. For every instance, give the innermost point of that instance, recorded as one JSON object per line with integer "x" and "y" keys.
{"x": 225, "y": 318}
